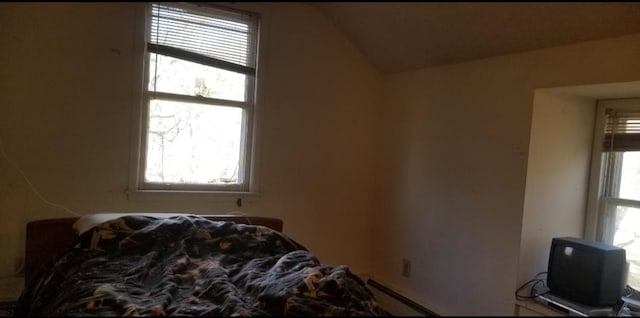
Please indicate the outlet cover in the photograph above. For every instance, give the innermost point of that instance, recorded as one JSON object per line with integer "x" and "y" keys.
{"x": 406, "y": 268}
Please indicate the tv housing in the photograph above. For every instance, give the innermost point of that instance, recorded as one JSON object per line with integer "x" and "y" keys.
{"x": 588, "y": 272}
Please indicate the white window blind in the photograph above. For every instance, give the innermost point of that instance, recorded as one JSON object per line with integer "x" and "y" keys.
{"x": 622, "y": 130}
{"x": 222, "y": 38}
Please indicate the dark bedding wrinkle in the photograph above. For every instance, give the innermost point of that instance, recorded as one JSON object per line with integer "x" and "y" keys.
{"x": 190, "y": 266}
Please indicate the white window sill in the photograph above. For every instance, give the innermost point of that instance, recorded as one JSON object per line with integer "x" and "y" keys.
{"x": 221, "y": 196}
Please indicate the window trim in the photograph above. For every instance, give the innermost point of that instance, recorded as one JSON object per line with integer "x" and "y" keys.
{"x": 250, "y": 187}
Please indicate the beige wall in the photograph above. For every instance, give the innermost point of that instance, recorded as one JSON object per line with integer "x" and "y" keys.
{"x": 66, "y": 98}
{"x": 453, "y": 166}
{"x": 555, "y": 199}
{"x": 441, "y": 165}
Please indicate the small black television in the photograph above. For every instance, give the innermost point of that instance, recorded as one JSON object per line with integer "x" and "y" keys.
{"x": 588, "y": 272}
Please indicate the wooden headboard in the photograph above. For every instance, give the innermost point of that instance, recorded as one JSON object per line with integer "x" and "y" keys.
{"x": 49, "y": 238}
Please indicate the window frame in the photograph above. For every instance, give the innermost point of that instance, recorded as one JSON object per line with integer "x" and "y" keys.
{"x": 247, "y": 175}
{"x": 598, "y": 224}
{"x": 606, "y": 175}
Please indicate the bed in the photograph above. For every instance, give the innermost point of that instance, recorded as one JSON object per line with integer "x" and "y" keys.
{"x": 181, "y": 265}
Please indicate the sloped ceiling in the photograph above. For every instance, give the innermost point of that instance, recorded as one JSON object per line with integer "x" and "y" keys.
{"x": 397, "y": 36}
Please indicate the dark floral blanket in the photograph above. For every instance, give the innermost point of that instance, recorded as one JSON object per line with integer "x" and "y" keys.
{"x": 190, "y": 266}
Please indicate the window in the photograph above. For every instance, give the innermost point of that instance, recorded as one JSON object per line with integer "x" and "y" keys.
{"x": 616, "y": 165}
{"x": 198, "y": 99}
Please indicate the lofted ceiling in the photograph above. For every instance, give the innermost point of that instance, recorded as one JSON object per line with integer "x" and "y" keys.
{"x": 401, "y": 36}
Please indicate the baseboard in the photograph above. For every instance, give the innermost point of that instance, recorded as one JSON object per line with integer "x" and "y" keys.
{"x": 395, "y": 303}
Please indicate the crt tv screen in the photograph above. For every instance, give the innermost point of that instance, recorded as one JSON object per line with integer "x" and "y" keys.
{"x": 588, "y": 272}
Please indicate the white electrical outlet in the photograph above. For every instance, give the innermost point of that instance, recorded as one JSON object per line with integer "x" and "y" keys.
{"x": 406, "y": 268}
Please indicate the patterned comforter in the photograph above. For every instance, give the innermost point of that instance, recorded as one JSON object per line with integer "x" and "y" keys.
{"x": 190, "y": 266}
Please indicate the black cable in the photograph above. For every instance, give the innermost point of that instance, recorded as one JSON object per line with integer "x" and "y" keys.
{"x": 535, "y": 281}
